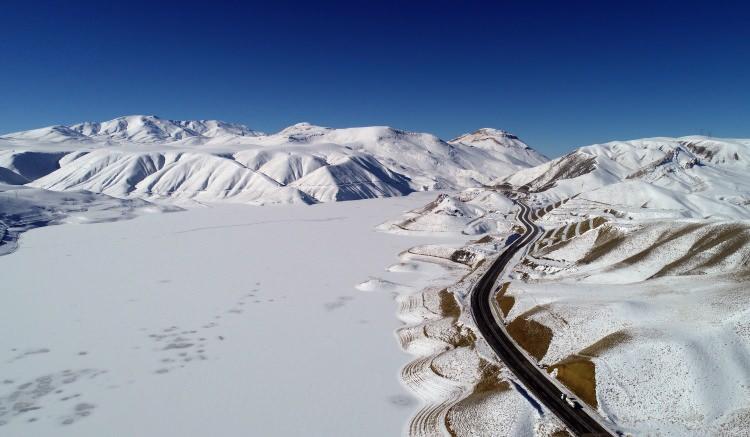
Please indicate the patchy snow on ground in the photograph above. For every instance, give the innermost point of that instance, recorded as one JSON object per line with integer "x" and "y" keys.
{"x": 225, "y": 320}
{"x": 647, "y": 319}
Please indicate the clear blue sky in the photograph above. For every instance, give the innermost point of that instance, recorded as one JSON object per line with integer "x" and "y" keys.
{"x": 559, "y": 75}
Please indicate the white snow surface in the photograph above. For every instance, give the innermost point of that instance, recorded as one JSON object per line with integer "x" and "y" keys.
{"x": 211, "y": 161}
{"x": 225, "y": 320}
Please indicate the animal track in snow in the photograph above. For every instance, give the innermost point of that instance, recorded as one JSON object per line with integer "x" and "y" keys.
{"x": 39, "y": 393}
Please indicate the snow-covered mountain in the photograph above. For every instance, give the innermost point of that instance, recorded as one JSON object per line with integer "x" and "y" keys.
{"x": 135, "y": 129}
{"x": 700, "y": 176}
{"x": 206, "y": 161}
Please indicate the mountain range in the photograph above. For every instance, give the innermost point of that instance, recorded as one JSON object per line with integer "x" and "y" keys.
{"x": 207, "y": 161}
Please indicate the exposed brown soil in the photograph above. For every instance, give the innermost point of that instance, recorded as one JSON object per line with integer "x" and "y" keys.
{"x": 606, "y": 241}
{"x": 448, "y": 305}
{"x": 531, "y": 335}
{"x": 490, "y": 379}
{"x": 463, "y": 337}
{"x": 585, "y": 226}
{"x": 605, "y": 343}
{"x": 698, "y": 150}
{"x": 504, "y": 302}
{"x": 578, "y": 371}
{"x": 464, "y": 257}
{"x": 664, "y": 238}
{"x": 724, "y": 241}
{"x": 579, "y": 375}
{"x": 571, "y": 231}
{"x": 598, "y": 221}
{"x": 485, "y": 239}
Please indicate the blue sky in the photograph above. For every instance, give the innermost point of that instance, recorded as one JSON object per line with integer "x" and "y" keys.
{"x": 558, "y": 74}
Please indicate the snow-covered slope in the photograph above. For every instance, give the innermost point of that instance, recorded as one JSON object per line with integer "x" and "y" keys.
{"x": 207, "y": 161}
{"x": 698, "y": 176}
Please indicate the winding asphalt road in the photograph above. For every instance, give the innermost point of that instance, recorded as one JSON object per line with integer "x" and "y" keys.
{"x": 579, "y": 420}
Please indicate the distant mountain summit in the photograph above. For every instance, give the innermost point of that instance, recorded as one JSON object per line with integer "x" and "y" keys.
{"x": 497, "y": 140}
{"x": 136, "y": 129}
{"x": 302, "y": 131}
{"x": 498, "y": 136}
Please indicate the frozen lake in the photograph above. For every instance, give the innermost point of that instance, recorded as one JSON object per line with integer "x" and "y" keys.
{"x": 231, "y": 320}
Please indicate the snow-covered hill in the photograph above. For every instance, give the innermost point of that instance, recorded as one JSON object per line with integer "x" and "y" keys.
{"x": 208, "y": 161}
{"x": 699, "y": 176}
{"x": 506, "y": 145}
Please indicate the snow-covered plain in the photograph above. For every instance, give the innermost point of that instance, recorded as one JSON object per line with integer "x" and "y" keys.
{"x": 229, "y": 320}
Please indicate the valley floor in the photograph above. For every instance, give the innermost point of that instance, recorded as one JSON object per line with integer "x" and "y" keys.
{"x": 226, "y": 321}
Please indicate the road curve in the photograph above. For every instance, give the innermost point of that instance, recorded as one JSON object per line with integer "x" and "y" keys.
{"x": 579, "y": 420}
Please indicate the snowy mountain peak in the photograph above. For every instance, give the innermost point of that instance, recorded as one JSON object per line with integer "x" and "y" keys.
{"x": 496, "y": 140}
{"x": 302, "y": 131}
{"x": 498, "y": 136}
{"x": 490, "y": 131}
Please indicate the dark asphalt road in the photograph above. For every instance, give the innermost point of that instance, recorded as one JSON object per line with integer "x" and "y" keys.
{"x": 577, "y": 419}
